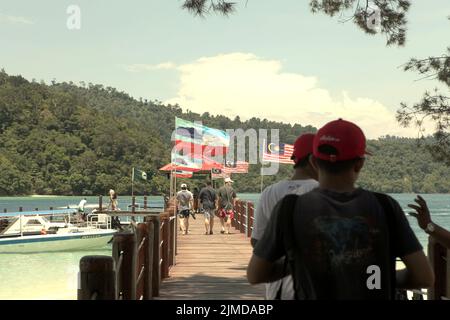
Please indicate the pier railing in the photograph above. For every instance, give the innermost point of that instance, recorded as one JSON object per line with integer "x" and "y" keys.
{"x": 243, "y": 218}
{"x": 141, "y": 259}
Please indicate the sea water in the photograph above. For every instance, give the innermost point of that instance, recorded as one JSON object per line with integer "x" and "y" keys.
{"x": 54, "y": 275}
{"x": 49, "y": 276}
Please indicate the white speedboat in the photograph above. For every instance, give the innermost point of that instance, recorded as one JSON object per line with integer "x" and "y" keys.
{"x": 36, "y": 233}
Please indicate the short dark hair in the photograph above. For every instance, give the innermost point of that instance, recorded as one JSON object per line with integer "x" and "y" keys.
{"x": 303, "y": 162}
{"x": 336, "y": 167}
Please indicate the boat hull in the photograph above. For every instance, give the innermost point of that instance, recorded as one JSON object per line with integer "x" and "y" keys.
{"x": 54, "y": 243}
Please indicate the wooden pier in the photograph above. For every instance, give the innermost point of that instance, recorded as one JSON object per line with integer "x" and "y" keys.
{"x": 211, "y": 267}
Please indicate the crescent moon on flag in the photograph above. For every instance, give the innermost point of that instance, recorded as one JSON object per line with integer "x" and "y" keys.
{"x": 272, "y": 147}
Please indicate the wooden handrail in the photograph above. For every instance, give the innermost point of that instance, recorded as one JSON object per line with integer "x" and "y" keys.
{"x": 243, "y": 219}
{"x": 140, "y": 260}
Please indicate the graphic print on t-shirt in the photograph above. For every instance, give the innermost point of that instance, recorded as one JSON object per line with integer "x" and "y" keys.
{"x": 343, "y": 240}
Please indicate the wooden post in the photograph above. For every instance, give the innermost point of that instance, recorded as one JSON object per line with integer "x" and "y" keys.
{"x": 141, "y": 267}
{"x": 145, "y": 202}
{"x": 165, "y": 248}
{"x": 247, "y": 220}
{"x": 437, "y": 254}
{"x": 250, "y": 218}
{"x": 148, "y": 277}
{"x": 97, "y": 278}
{"x": 125, "y": 243}
{"x": 20, "y": 209}
{"x": 156, "y": 274}
{"x": 100, "y": 203}
{"x": 242, "y": 217}
{"x": 4, "y": 210}
{"x": 237, "y": 219}
{"x": 171, "y": 229}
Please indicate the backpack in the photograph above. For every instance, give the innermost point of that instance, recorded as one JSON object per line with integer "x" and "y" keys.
{"x": 303, "y": 285}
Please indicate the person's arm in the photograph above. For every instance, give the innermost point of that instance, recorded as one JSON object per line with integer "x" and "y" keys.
{"x": 219, "y": 199}
{"x": 423, "y": 217}
{"x": 191, "y": 202}
{"x": 418, "y": 272}
{"x": 262, "y": 266}
{"x": 260, "y": 270}
{"x": 200, "y": 196}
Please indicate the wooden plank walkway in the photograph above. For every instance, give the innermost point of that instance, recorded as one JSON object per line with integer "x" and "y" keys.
{"x": 211, "y": 267}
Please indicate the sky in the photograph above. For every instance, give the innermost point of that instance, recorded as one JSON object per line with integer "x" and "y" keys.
{"x": 279, "y": 62}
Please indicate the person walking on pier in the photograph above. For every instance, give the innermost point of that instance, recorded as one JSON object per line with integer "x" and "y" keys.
{"x": 113, "y": 202}
{"x": 208, "y": 201}
{"x": 303, "y": 180}
{"x": 227, "y": 198}
{"x": 81, "y": 206}
{"x": 185, "y": 201}
{"x": 341, "y": 241}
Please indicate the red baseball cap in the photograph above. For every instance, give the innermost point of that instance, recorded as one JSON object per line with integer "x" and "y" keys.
{"x": 303, "y": 146}
{"x": 346, "y": 137}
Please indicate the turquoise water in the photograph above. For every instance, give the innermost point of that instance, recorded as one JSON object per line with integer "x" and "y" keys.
{"x": 54, "y": 275}
{"x": 12, "y": 204}
{"x": 49, "y": 276}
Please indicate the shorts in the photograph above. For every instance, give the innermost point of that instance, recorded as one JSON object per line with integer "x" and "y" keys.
{"x": 223, "y": 213}
{"x": 184, "y": 213}
{"x": 209, "y": 213}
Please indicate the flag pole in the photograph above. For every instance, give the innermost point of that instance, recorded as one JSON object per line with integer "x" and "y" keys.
{"x": 262, "y": 167}
{"x": 132, "y": 182}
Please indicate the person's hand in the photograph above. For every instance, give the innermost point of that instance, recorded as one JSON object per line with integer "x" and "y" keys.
{"x": 422, "y": 213}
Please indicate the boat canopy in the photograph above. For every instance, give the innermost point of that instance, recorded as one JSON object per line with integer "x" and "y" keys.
{"x": 34, "y": 213}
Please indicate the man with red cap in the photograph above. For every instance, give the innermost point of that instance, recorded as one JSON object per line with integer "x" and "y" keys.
{"x": 341, "y": 241}
{"x": 303, "y": 180}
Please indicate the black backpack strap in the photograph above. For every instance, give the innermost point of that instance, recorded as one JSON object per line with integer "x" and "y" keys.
{"x": 388, "y": 210}
{"x": 302, "y": 283}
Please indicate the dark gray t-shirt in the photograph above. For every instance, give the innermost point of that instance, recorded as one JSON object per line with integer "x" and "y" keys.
{"x": 339, "y": 236}
{"x": 226, "y": 196}
{"x": 207, "y": 198}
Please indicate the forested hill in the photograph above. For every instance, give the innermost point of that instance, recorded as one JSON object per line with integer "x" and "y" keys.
{"x": 67, "y": 139}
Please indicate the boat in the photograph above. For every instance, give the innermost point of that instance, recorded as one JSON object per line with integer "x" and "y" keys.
{"x": 38, "y": 233}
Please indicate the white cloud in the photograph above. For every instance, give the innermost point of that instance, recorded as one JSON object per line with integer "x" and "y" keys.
{"x": 246, "y": 85}
{"x": 149, "y": 67}
{"x": 14, "y": 19}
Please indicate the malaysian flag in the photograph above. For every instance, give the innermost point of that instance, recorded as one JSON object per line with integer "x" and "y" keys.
{"x": 281, "y": 153}
{"x": 235, "y": 167}
{"x": 219, "y": 174}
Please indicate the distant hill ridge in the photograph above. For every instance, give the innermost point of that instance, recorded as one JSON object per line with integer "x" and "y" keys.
{"x": 66, "y": 139}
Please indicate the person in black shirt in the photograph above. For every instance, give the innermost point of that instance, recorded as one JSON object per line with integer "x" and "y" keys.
{"x": 208, "y": 200}
{"x": 341, "y": 241}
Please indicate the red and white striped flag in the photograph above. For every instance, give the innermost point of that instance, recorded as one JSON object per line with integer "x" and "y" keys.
{"x": 235, "y": 167}
{"x": 219, "y": 174}
{"x": 280, "y": 153}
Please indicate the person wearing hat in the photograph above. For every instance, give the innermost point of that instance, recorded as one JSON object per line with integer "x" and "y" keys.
{"x": 227, "y": 197}
{"x": 342, "y": 241}
{"x": 113, "y": 203}
{"x": 303, "y": 180}
{"x": 185, "y": 201}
